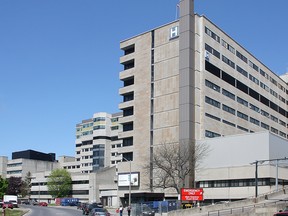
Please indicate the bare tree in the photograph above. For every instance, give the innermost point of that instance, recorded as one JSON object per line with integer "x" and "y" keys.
{"x": 171, "y": 163}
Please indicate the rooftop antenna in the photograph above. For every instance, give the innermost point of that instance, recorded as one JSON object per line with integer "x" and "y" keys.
{"x": 177, "y": 11}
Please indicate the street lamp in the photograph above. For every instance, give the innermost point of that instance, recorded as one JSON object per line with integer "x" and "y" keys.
{"x": 129, "y": 179}
{"x": 256, "y": 172}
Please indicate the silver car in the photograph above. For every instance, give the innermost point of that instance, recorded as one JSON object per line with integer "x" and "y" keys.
{"x": 99, "y": 211}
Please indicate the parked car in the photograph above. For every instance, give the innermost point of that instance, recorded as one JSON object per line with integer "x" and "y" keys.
{"x": 35, "y": 203}
{"x": 7, "y": 205}
{"x": 281, "y": 214}
{"x": 147, "y": 211}
{"x": 99, "y": 212}
{"x": 43, "y": 204}
{"x": 89, "y": 207}
{"x": 26, "y": 202}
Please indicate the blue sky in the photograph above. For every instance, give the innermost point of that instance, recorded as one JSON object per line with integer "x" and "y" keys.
{"x": 59, "y": 60}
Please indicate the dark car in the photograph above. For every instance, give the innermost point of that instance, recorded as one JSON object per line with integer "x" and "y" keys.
{"x": 7, "y": 205}
{"x": 99, "y": 212}
{"x": 281, "y": 214}
{"x": 89, "y": 207}
{"x": 26, "y": 202}
{"x": 147, "y": 211}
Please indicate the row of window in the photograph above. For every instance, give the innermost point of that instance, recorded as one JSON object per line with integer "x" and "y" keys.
{"x": 211, "y": 134}
{"x": 14, "y": 165}
{"x": 244, "y": 88}
{"x": 241, "y": 56}
{"x": 244, "y": 72}
{"x": 241, "y": 101}
{"x": 239, "y": 183}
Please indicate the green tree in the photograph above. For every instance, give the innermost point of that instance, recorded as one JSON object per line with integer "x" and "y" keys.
{"x": 26, "y": 185}
{"x": 59, "y": 183}
{"x": 3, "y": 186}
{"x": 14, "y": 185}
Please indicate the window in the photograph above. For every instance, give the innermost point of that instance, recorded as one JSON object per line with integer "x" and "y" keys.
{"x": 273, "y": 93}
{"x": 128, "y": 97}
{"x": 282, "y": 123}
{"x": 242, "y": 115}
{"x": 99, "y": 119}
{"x": 212, "y": 102}
{"x": 273, "y": 81}
{"x": 264, "y": 86}
{"x": 254, "y": 121}
{"x": 255, "y": 108}
{"x": 128, "y": 112}
{"x": 274, "y": 130}
{"x": 242, "y": 101}
{"x": 128, "y": 141}
{"x": 212, "y": 69}
{"x": 242, "y": 71}
{"x": 212, "y": 117}
{"x": 212, "y": 85}
{"x": 129, "y": 49}
{"x": 228, "y": 61}
{"x": 263, "y": 125}
{"x": 128, "y": 156}
{"x": 228, "y": 78}
{"x": 129, "y": 81}
{"x": 115, "y": 119}
{"x": 228, "y": 123}
{"x": 253, "y": 79}
{"x": 242, "y": 87}
{"x": 242, "y": 128}
{"x": 282, "y": 134}
{"x": 98, "y": 127}
{"x": 282, "y": 99}
{"x": 228, "y": 109}
{"x": 212, "y": 51}
{"x": 211, "y": 134}
{"x": 128, "y": 126}
{"x": 263, "y": 73}
{"x": 255, "y": 67}
{"x": 212, "y": 34}
{"x": 228, "y": 94}
{"x": 264, "y": 113}
{"x": 274, "y": 118}
{"x": 128, "y": 65}
{"x": 242, "y": 57}
{"x": 114, "y": 127}
{"x": 228, "y": 46}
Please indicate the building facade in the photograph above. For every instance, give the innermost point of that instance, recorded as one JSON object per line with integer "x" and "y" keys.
{"x": 96, "y": 138}
{"x": 187, "y": 81}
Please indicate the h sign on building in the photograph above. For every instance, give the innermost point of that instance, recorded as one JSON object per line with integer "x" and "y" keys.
{"x": 192, "y": 194}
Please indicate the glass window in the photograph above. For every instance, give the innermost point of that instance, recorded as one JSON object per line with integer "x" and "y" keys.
{"x": 228, "y": 94}
{"x": 212, "y": 85}
{"x": 242, "y": 115}
{"x": 228, "y": 61}
{"x": 242, "y": 101}
{"x": 212, "y": 51}
{"x": 212, "y": 102}
{"x": 228, "y": 109}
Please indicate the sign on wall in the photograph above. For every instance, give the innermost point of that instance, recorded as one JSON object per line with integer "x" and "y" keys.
{"x": 174, "y": 32}
{"x": 124, "y": 179}
{"x": 191, "y": 194}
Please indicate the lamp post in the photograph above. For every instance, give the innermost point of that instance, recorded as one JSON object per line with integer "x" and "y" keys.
{"x": 256, "y": 172}
{"x": 129, "y": 179}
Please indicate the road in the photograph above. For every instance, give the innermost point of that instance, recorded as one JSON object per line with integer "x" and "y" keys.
{"x": 48, "y": 211}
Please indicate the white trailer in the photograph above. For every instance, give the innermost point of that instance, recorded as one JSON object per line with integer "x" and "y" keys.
{"x": 11, "y": 198}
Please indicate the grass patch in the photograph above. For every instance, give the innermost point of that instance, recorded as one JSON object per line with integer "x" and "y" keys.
{"x": 15, "y": 212}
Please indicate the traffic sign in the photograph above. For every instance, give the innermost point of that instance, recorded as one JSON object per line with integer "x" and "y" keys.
{"x": 191, "y": 194}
